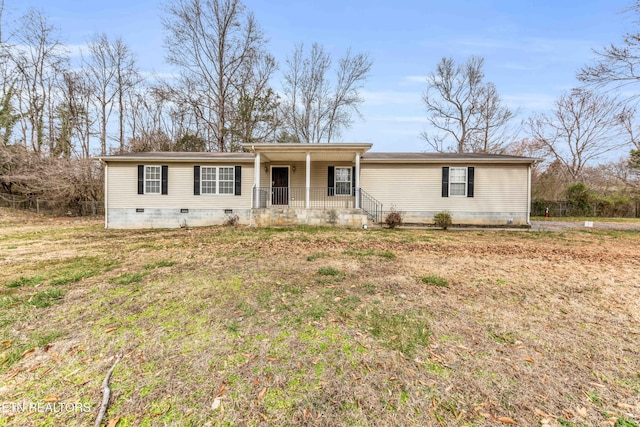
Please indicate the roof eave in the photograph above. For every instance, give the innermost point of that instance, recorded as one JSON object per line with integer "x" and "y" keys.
{"x": 334, "y": 146}
{"x": 442, "y": 160}
{"x": 156, "y": 159}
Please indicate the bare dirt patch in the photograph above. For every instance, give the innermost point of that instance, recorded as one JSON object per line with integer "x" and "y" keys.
{"x": 308, "y": 326}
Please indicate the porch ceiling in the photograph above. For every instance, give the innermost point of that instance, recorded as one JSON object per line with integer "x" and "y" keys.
{"x": 340, "y": 152}
{"x": 340, "y": 156}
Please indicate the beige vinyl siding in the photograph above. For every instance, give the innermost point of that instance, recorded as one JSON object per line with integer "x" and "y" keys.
{"x": 123, "y": 188}
{"x": 418, "y": 187}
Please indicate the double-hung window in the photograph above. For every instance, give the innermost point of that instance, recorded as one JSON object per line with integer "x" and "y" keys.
{"x": 343, "y": 181}
{"x": 458, "y": 182}
{"x": 152, "y": 179}
{"x": 217, "y": 179}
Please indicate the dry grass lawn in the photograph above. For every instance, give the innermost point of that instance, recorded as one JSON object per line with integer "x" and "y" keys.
{"x": 319, "y": 326}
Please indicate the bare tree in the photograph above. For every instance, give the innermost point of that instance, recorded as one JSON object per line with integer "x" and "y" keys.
{"x": 112, "y": 70}
{"x": 494, "y": 132}
{"x": 216, "y": 43}
{"x": 616, "y": 66}
{"x": 629, "y": 121}
{"x": 256, "y": 117}
{"x": 466, "y": 114}
{"x": 1, "y": 22}
{"x": 39, "y": 58}
{"x": 582, "y": 127}
{"x": 127, "y": 77}
{"x": 315, "y": 109}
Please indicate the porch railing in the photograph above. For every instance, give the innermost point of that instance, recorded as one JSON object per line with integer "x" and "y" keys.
{"x": 370, "y": 206}
{"x": 294, "y": 197}
{"x": 319, "y": 198}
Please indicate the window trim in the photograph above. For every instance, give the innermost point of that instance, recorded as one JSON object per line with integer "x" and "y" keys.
{"x": 217, "y": 180}
{"x": 465, "y": 181}
{"x": 146, "y": 179}
{"x": 335, "y": 181}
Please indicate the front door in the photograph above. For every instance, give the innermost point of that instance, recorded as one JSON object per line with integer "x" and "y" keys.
{"x": 279, "y": 186}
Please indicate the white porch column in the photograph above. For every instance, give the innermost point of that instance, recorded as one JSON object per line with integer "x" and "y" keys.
{"x": 256, "y": 181}
{"x": 357, "y": 181}
{"x": 307, "y": 192}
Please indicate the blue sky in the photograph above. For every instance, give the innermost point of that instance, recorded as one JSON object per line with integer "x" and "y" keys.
{"x": 532, "y": 49}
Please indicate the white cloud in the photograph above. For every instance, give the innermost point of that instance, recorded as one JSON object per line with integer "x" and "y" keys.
{"x": 566, "y": 49}
{"x": 416, "y": 79}
{"x": 390, "y": 97}
{"x": 398, "y": 119}
{"x": 534, "y": 101}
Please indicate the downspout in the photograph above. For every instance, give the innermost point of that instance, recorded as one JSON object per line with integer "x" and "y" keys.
{"x": 529, "y": 194}
{"x": 307, "y": 191}
{"x": 255, "y": 190}
{"x": 357, "y": 181}
{"x": 106, "y": 194}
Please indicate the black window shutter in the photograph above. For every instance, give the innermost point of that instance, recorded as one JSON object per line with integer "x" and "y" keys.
{"x": 165, "y": 179}
{"x": 470, "y": 176}
{"x": 196, "y": 180}
{"x": 331, "y": 181}
{"x": 353, "y": 180}
{"x": 445, "y": 181}
{"x": 140, "y": 179}
{"x": 238, "y": 181}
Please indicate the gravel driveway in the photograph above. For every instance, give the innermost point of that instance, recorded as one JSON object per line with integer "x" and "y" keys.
{"x": 562, "y": 225}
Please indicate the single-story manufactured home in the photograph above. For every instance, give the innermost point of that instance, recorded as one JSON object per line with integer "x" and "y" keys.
{"x": 338, "y": 183}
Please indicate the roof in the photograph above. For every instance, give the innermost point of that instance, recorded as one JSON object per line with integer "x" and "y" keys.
{"x": 291, "y": 152}
{"x": 179, "y": 156}
{"x": 325, "y": 146}
{"x": 373, "y": 157}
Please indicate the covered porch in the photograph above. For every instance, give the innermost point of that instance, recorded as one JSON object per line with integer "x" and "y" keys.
{"x": 309, "y": 177}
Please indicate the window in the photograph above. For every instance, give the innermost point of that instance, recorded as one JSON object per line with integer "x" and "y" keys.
{"x": 152, "y": 179}
{"x": 458, "y": 182}
{"x": 343, "y": 181}
{"x": 217, "y": 179}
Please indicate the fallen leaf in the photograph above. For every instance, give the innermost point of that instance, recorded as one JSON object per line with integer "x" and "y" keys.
{"x": 542, "y": 414}
{"x": 582, "y": 411}
{"x": 27, "y": 353}
{"x": 113, "y": 422}
{"x": 5, "y": 343}
{"x": 273, "y": 359}
{"x": 15, "y": 372}
{"x": 530, "y": 360}
{"x": 108, "y": 331}
{"x": 221, "y": 391}
{"x": 506, "y": 420}
{"x": 52, "y": 398}
{"x": 262, "y": 393}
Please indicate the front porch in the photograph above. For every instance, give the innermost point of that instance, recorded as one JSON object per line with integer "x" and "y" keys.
{"x": 295, "y": 179}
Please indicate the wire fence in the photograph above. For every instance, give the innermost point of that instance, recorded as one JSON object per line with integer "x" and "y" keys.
{"x": 38, "y": 205}
{"x": 603, "y": 209}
